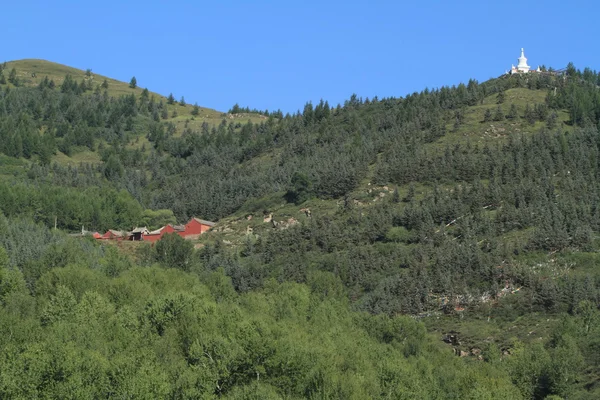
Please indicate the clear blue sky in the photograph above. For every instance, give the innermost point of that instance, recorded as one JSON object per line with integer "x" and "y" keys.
{"x": 280, "y": 54}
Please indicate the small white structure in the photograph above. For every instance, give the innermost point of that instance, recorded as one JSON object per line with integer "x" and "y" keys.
{"x": 522, "y": 67}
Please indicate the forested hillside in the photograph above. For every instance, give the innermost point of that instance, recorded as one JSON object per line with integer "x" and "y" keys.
{"x": 350, "y": 240}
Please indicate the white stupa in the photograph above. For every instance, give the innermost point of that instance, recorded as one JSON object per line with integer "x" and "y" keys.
{"x": 522, "y": 67}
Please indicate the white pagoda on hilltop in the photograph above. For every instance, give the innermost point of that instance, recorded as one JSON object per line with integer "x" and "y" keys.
{"x": 522, "y": 67}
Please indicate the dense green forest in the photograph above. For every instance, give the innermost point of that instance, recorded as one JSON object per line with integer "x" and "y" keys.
{"x": 467, "y": 213}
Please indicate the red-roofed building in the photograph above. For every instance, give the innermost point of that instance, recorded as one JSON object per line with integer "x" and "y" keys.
{"x": 195, "y": 228}
{"x": 158, "y": 234}
{"x": 192, "y": 230}
{"x": 111, "y": 234}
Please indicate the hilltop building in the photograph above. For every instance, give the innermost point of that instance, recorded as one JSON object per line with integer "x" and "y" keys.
{"x": 522, "y": 67}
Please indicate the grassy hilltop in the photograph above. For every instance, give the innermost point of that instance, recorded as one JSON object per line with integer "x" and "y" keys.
{"x": 31, "y": 72}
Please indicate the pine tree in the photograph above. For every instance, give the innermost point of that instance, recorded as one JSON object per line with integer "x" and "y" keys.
{"x": 500, "y": 97}
{"x": 487, "y": 116}
{"x": 195, "y": 109}
{"x": 133, "y": 83}
{"x": 171, "y": 99}
{"x": 541, "y": 111}
{"x": 551, "y": 120}
{"x": 69, "y": 85}
{"x": 12, "y": 77}
{"x": 513, "y": 112}
{"x": 182, "y": 101}
{"x": 300, "y": 190}
{"x": 396, "y": 196}
{"x": 529, "y": 115}
{"x": 410, "y": 195}
{"x": 499, "y": 115}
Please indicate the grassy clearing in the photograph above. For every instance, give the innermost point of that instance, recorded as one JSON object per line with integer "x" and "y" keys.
{"x": 83, "y": 155}
{"x": 12, "y": 167}
{"x": 474, "y": 130}
{"x": 579, "y": 263}
{"x": 477, "y": 329}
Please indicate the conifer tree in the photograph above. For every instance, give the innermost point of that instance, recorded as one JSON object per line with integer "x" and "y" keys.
{"x": 195, "y": 110}
{"x": 500, "y": 97}
{"x": 487, "y": 116}
{"x": 551, "y": 120}
{"x": 396, "y": 196}
{"x": 529, "y": 115}
{"x": 12, "y": 77}
{"x": 512, "y": 113}
{"x": 499, "y": 115}
{"x": 145, "y": 94}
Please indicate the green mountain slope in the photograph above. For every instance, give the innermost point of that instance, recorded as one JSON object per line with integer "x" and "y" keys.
{"x": 472, "y": 209}
{"x": 32, "y": 72}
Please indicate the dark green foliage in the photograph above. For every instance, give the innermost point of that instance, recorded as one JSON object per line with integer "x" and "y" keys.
{"x": 499, "y": 114}
{"x": 12, "y": 77}
{"x": 236, "y": 109}
{"x": 113, "y": 169}
{"x": 513, "y": 113}
{"x": 173, "y": 251}
{"x": 133, "y": 83}
{"x": 498, "y": 227}
{"x": 396, "y": 196}
{"x": 487, "y": 116}
{"x": 171, "y": 99}
{"x": 154, "y": 219}
{"x": 69, "y": 85}
{"x": 551, "y": 120}
{"x": 301, "y": 189}
{"x": 67, "y": 119}
{"x": 195, "y": 110}
{"x": 156, "y": 333}
{"x": 500, "y": 97}
{"x": 97, "y": 208}
{"x": 529, "y": 114}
